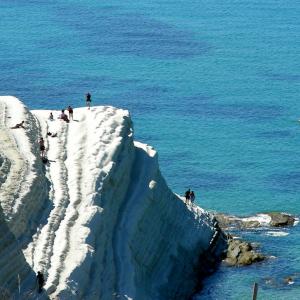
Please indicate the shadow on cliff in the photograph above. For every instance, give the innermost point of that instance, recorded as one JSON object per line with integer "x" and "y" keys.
{"x": 170, "y": 246}
{"x": 17, "y": 279}
{"x": 192, "y": 265}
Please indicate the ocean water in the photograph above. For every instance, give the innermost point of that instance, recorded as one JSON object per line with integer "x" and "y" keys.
{"x": 214, "y": 86}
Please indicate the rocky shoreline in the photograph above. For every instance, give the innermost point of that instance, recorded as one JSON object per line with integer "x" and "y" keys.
{"x": 243, "y": 253}
{"x": 271, "y": 219}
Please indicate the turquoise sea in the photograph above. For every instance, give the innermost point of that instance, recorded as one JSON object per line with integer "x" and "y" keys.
{"x": 214, "y": 86}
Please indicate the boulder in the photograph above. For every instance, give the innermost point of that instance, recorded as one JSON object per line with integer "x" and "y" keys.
{"x": 245, "y": 258}
{"x": 225, "y": 221}
{"x": 280, "y": 219}
{"x": 245, "y": 247}
{"x": 233, "y": 252}
{"x": 249, "y": 257}
{"x": 241, "y": 253}
{"x": 230, "y": 262}
{"x": 228, "y": 222}
{"x": 250, "y": 224}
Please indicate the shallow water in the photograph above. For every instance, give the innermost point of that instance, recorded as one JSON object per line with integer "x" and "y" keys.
{"x": 212, "y": 85}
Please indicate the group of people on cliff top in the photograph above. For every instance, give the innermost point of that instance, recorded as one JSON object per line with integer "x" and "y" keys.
{"x": 189, "y": 196}
{"x": 63, "y": 116}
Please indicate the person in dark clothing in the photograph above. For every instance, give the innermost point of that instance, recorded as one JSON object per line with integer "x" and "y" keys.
{"x": 88, "y": 100}
{"x": 45, "y": 160}
{"x": 187, "y": 195}
{"x": 192, "y": 197}
{"x": 19, "y": 125}
{"x": 63, "y": 116}
{"x": 52, "y": 134}
{"x": 70, "y": 110}
{"x": 40, "y": 281}
{"x": 42, "y": 147}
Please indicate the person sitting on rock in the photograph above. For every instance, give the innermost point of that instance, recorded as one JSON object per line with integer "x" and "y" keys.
{"x": 52, "y": 134}
{"x": 19, "y": 125}
{"x": 51, "y": 118}
{"x": 63, "y": 116}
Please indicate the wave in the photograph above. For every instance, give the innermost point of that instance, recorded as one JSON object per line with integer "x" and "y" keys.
{"x": 277, "y": 233}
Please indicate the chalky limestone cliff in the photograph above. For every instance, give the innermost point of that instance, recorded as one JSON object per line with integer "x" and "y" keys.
{"x": 98, "y": 219}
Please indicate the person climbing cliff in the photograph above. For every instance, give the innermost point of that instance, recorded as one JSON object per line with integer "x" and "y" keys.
{"x": 42, "y": 147}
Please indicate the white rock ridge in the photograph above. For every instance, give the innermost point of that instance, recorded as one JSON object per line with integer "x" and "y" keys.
{"x": 98, "y": 219}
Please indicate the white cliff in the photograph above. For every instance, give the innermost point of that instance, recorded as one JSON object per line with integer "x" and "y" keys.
{"x": 98, "y": 220}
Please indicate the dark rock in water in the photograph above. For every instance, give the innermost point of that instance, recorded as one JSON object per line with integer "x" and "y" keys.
{"x": 241, "y": 253}
{"x": 229, "y": 261}
{"x": 228, "y": 222}
{"x": 233, "y": 249}
{"x": 250, "y": 257}
{"x": 245, "y": 247}
{"x": 245, "y": 259}
{"x": 251, "y": 224}
{"x": 280, "y": 219}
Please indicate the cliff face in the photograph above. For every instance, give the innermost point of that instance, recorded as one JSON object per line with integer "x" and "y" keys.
{"x": 23, "y": 192}
{"x": 98, "y": 220}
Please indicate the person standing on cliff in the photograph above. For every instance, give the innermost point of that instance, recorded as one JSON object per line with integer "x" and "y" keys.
{"x": 88, "y": 100}
{"x": 187, "y": 195}
{"x": 192, "y": 197}
{"x": 70, "y": 110}
{"x": 40, "y": 281}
